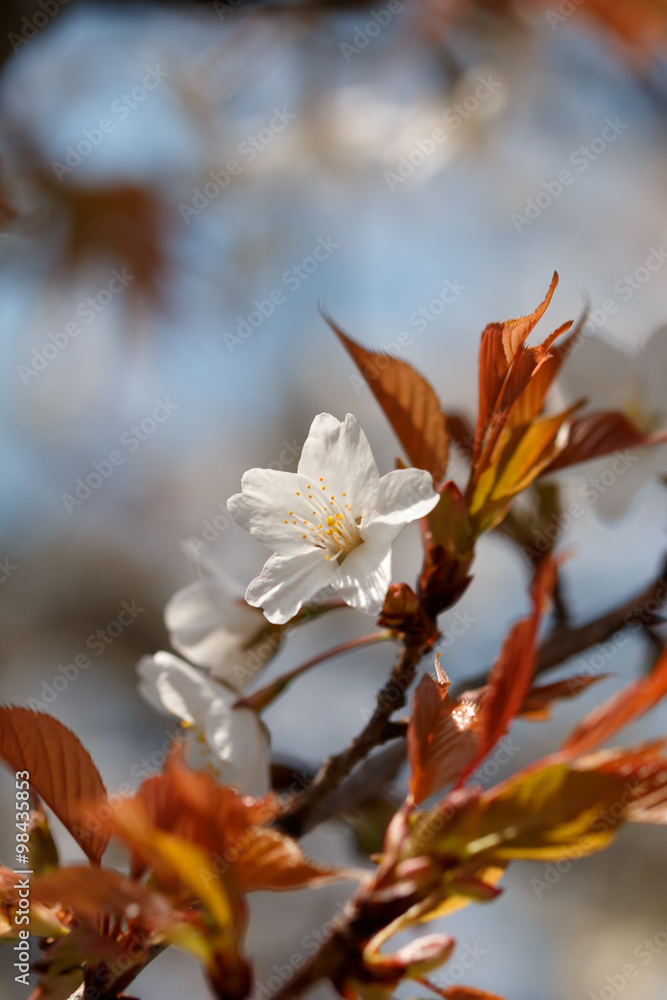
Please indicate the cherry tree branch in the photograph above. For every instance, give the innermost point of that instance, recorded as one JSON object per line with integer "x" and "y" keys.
{"x": 567, "y": 641}
{"x": 300, "y": 817}
{"x": 334, "y": 794}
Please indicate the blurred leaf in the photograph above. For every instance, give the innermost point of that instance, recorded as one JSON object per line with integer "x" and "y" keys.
{"x": 42, "y": 850}
{"x": 599, "y": 434}
{"x": 219, "y": 822}
{"x": 61, "y": 770}
{"x": 91, "y": 894}
{"x": 623, "y": 708}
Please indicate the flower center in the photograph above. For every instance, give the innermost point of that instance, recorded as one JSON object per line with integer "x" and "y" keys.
{"x": 333, "y": 527}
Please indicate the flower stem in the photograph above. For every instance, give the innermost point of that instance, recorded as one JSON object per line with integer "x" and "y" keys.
{"x": 259, "y": 700}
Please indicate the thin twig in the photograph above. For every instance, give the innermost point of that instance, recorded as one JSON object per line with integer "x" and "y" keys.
{"x": 566, "y": 641}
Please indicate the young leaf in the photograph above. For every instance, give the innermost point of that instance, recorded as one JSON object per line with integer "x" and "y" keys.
{"x": 598, "y": 434}
{"x": 623, "y": 708}
{"x": 644, "y": 773}
{"x": 91, "y": 894}
{"x": 468, "y": 993}
{"x": 409, "y": 402}
{"x": 548, "y": 814}
{"x": 219, "y": 823}
{"x": 512, "y": 673}
{"x": 441, "y": 737}
{"x": 501, "y": 343}
{"x": 61, "y": 770}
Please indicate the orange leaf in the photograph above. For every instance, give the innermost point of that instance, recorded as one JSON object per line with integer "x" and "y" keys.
{"x": 61, "y": 770}
{"x": 643, "y": 770}
{"x": 600, "y": 434}
{"x": 409, "y": 402}
{"x": 512, "y": 672}
{"x": 92, "y": 894}
{"x": 468, "y": 993}
{"x": 193, "y": 806}
{"x": 441, "y": 737}
{"x": 501, "y": 343}
{"x": 623, "y": 708}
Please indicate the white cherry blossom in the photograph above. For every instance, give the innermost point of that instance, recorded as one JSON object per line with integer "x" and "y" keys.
{"x": 331, "y": 524}
{"x": 230, "y": 743}
{"x": 210, "y": 622}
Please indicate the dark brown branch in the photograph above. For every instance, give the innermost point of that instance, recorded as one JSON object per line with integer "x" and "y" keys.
{"x": 567, "y": 641}
{"x": 300, "y": 818}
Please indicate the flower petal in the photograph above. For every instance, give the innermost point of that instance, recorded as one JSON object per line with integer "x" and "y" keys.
{"x": 174, "y": 687}
{"x": 363, "y": 578}
{"x": 216, "y": 630}
{"x": 286, "y": 583}
{"x": 339, "y": 452}
{"x": 239, "y": 743}
{"x": 272, "y": 507}
{"x": 405, "y": 495}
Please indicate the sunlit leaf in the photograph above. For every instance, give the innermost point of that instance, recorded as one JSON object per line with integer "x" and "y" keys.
{"x": 441, "y": 737}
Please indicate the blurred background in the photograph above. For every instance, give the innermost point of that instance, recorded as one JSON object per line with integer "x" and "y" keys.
{"x": 420, "y": 168}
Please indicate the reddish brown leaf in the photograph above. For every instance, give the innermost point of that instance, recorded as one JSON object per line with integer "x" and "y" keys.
{"x": 193, "y": 806}
{"x": 441, "y": 738}
{"x": 537, "y": 703}
{"x": 61, "y": 770}
{"x": 623, "y": 708}
{"x": 409, "y": 402}
{"x": 92, "y": 894}
{"x": 512, "y": 672}
{"x": 501, "y": 343}
{"x": 643, "y": 771}
{"x": 599, "y": 434}
{"x": 468, "y": 993}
